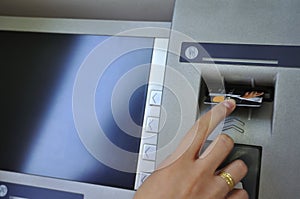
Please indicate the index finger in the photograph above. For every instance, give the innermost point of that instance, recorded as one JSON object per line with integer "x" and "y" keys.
{"x": 206, "y": 124}
{"x": 196, "y": 136}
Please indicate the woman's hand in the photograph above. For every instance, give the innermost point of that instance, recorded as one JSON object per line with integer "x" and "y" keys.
{"x": 186, "y": 175}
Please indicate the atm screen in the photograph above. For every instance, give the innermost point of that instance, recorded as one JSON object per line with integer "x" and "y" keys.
{"x": 72, "y": 105}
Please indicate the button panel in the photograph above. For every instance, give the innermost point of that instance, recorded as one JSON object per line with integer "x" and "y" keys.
{"x": 151, "y": 125}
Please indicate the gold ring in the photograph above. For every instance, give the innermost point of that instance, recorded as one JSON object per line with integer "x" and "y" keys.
{"x": 228, "y": 179}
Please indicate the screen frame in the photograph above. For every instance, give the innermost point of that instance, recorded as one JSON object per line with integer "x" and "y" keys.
{"x": 156, "y": 30}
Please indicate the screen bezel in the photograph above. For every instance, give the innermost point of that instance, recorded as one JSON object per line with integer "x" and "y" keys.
{"x": 78, "y": 26}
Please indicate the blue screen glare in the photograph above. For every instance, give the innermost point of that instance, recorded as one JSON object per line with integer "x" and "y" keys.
{"x": 38, "y": 132}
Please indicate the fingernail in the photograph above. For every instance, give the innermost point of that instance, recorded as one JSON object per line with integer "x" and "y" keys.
{"x": 230, "y": 103}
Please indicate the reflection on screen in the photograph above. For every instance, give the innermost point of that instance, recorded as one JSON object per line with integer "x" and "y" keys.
{"x": 39, "y": 133}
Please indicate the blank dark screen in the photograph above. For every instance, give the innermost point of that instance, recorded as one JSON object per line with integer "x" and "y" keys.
{"x": 38, "y": 134}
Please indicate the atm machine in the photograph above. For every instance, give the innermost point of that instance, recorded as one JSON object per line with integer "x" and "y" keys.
{"x": 224, "y": 48}
{"x": 90, "y": 108}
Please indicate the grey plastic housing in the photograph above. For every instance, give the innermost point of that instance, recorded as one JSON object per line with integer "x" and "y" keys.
{"x": 275, "y": 126}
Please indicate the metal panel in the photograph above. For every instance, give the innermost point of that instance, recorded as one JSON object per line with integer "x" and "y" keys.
{"x": 275, "y": 127}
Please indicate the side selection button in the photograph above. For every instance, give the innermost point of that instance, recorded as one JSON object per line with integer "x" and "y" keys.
{"x": 155, "y": 98}
{"x": 152, "y": 124}
{"x": 149, "y": 152}
{"x": 142, "y": 177}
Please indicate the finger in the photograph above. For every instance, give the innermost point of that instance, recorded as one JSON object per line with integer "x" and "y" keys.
{"x": 216, "y": 152}
{"x": 237, "y": 170}
{"x": 238, "y": 194}
{"x": 196, "y": 136}
{"x": 206, "y": 124}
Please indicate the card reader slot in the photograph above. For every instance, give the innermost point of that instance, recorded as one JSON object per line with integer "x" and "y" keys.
{"x": 252, "y": 115}
{"x": 244, "y": 95}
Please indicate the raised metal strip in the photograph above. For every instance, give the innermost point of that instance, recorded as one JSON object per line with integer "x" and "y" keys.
{"x": 241, "y": 54}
